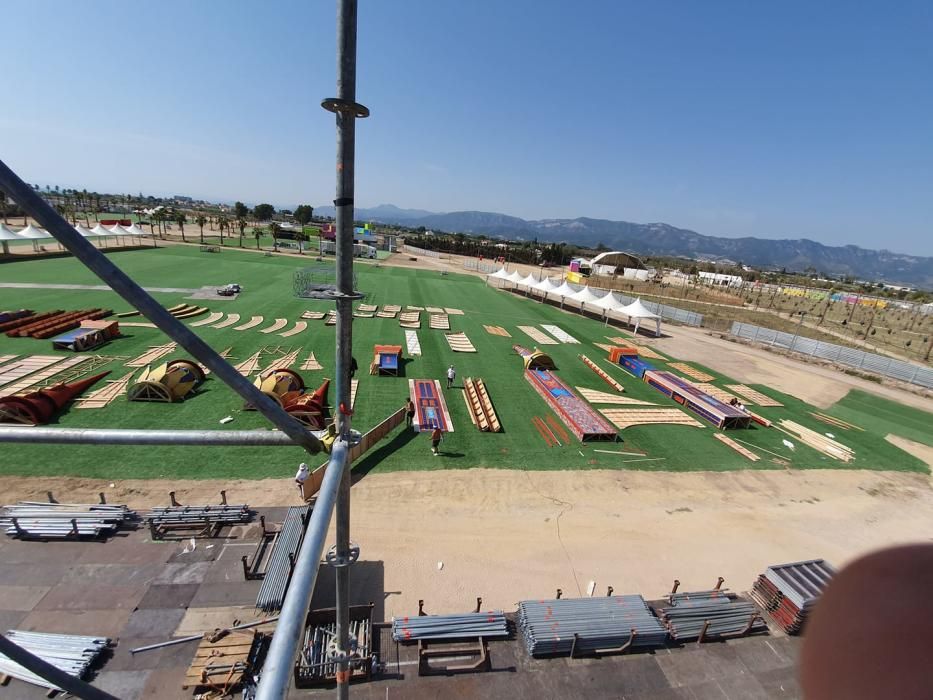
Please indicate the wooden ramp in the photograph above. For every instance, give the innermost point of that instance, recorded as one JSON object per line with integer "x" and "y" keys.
{"x": 459, "y": 342}
{"x": 229, "y": 321}
{"x": 601, "y": 373}
{"x": 540, "y": 337}
{"x": 715, "y": 392}
{"x": 103, "y": 396}
{"x": 213, "y": 318}
{"x": 594, "y": 396}
{"x": 497, "y": 330}
{"x": 138, "y": 324}
{"x": 582, "y": 420}
{"x": 414, "y": 345}
{"x": 562, "y": 335}
{"x": 152, "y": 355}
{"x": 745, "y": 452}
{"x": 479, "y": 406}
{"x": 252, "y": 323}
{"x": 627, "y": 417}
{"x": 691, "y": 372}
{"x": 440, "y": 322}
{"x": 295, "y": 330}
{"x": 430, "y": 407}
{"x": 752, "y": 396}
{"x": 410, "y": 319}
{"x": 278, "y": 325}
{"x": 643, "y": 350}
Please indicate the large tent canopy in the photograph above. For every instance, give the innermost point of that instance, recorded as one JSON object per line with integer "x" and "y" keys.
{"x": 564, "y": 290}
{"x": 639, "y": 312}
{"x": 617, "y": 259}
{"x": 33, "y": 233}
{"x": 501, "y": 274}
{"x": 8, "y": 234}
{"x": 545, "y": 285}
{"x": 584, "y": 296}
{"x": 608, "y": 303}
{"x": 515, "y": 277}
{"x": 529, "y": 281}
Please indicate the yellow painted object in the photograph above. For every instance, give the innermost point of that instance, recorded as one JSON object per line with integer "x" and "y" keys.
{"x": 276, "y": 384}
{"x": 168, "y": 383}
{"x": 539, "y": 360}
{"x": 574, "y": 278}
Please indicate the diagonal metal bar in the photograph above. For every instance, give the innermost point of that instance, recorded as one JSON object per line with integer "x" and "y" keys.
{"x": 101, "y": 266}
{"x": 52, "y": 674}
{"x": 131, "y": 436}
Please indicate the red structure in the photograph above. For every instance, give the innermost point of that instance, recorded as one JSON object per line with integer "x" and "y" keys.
{"x": 38, "y": 407}
{"x": 308, "y": 408}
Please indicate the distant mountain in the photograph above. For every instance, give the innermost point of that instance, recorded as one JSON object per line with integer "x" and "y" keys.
{"x": 664, "y": 239}
{"x": 385, "y": 213}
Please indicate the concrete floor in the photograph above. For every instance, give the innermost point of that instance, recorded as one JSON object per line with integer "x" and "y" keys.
{"x": 141, "y": 592}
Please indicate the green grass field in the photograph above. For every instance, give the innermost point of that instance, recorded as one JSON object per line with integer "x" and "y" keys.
{"x": 268, "y": 285}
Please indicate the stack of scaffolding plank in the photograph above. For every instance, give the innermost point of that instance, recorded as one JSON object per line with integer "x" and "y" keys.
{"x": 594, "y": 396}
{"x": 497, "y": 330}
{"x": 414, "y": 345}
{"x": 752, "y": 396}
{"x": 312, "y": 315}
{"x": 440, "y": 322}
{"x": 562, "y": 335}
{"x": 602, "y": 373}
{"x": 410, "y": 319}
{"x": 368, "y": 308}
{"x": 540, "y": 337}
{"x": 788, "y": 592}
{"x": 386, "y": 313}
{"x": 627, "y": 417}
{"x": 818, "y": 441}
{"x": 745, "y": 452}
{"x": 459, "y": 342}
{"x": 479, "y": 405}
{"x": 691, "y": 372}
{"x": 835, "y": 422}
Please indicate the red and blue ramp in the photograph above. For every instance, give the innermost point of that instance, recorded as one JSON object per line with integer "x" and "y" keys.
{"x": 576, "y": 414}
{"x": 430, "y": 408}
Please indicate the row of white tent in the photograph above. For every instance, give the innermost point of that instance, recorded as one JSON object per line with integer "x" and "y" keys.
{"x": 32, "y": 233}
{"x": 605, "y": 302}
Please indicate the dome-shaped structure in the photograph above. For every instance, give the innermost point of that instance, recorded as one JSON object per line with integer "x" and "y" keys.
{"x": 168, "y": 383}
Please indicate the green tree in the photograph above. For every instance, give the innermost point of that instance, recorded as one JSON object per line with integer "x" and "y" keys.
{"x": 257, "y": 232}
{"x": 240, "y": 210}
{"x": 180, "y": 219}
{"x": 275, "y": 229}
{"x": 263, "y": 212}
{"x": 241, "y": 225}
{"x": 222, "y": 223}
{"x": 304, "y": 213}
{"x": 200, "y": 220}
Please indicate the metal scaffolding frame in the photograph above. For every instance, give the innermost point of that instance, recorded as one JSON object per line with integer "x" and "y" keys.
{"x": 334, "y": 494}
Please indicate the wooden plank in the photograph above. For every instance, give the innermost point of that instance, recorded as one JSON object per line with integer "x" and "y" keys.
{"x": 439, "y": 322}
{"x": 229, "y": 321}
{"x": 15, "y": 371}
{"x": 594, "y": 396}
{"x": 298, "y": 328}
{"x": 497, "y": 330}
{"x": 751, "y": 396}
{"x": 213, "y": 318}
{"x": 601, "y": 373}
{"x": 252, "y": 323}
{"x": 745, "y": 452}
{"x": 152, "y": 355}
{"x": 277, "y": 325}
{"x": 459, "y": 342}
{"x": 311, "y": 363}
{"x": 36, "y": 377}
{"x": 715, "y": 392}
{"x": 538, "y": 336}
{"x": 691, "y": 372}
{"x": 103, "y": 396}
{"x": 627, "y": 417}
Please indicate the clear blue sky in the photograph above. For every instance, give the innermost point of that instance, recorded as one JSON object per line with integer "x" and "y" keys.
{"x": 777, "y": 120}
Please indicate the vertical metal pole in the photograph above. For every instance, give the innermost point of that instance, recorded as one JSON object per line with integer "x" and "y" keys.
{"x": 346, "y": 153}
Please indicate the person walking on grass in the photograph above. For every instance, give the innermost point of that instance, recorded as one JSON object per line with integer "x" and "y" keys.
{"x": 409, "y": 412}
{"x": 451, "y": 375}
{"x": 436, "y": 436}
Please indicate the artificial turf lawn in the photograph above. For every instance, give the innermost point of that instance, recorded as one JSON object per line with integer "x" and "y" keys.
{"x": 268, "y": 292}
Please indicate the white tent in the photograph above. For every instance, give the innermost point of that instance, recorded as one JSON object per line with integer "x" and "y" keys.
{"x": 33, "y": 233}
{"x": 7, "y": 234}
{"x": 545, "y": 285}
{"x": 501, "y": 274}
{"x": 134, "y": 230}
{"x": 99, "y": 230}
{"x": 638, "y": 311}
{"x": 564, "y": 290}
{"x": 583, "y": 297}
{"x": 608, "y": 303}
{"x": 85, "y": 232}
{"x": 529, "y": 281}
{"x": 514, "y": 278}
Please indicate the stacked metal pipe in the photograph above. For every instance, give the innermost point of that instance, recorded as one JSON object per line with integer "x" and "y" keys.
{"x": 549, "y": 626}
{"x": 61, "y": 520}
{"x": 284, "y": 551}
{"x": 789, "y": 591}
{"x": 315, "y": 662}
{"x": 689, "y": 613}
{"x": 482, "y": 624}
{"x": 196, "y": 515}
{"x": 70, "y": 653}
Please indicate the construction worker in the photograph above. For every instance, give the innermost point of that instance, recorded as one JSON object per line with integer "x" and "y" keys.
{"x": 301, "y": 477}
{"x": 436, "y": 436}
{"x": 409, "y": 412}
{"x": 451, "y": 375}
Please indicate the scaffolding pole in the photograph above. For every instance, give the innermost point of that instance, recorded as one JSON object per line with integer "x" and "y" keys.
{"x": 135, "y": 436}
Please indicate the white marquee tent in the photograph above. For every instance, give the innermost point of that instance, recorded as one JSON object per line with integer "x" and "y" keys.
{"x": 639, "y": 312}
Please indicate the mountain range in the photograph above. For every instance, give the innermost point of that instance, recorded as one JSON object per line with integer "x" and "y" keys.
{"x": 664, "y": 239}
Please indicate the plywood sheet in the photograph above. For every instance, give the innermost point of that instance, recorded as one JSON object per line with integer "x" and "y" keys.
{"x": 540, "y": 337}
{"x": 753, "y": 397}
{"x": 691, "y": 372}
{"x": 627, "y": 417}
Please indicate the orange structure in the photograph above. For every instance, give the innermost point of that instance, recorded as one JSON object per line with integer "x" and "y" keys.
{"x": 617, "y": 351}
{"x": 38, "y": 407}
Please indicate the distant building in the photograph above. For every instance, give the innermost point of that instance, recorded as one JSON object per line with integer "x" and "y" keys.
{"x": 717, "y": 279}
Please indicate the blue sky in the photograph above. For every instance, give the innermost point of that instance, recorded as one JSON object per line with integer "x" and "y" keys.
{"x": 777, "y": 120}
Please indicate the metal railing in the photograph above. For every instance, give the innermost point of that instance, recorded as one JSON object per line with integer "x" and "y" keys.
{"x": 858, "y": 359}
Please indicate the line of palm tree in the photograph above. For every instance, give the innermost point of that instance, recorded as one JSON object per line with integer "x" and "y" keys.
{"x": 180, "y": 219}
{"x": 222, "y": 223}
{"x": 241, "y": 225}
{"x": 275, "y": 229}
{"x": 257, "y": 232}
{"x": 200, "y": 220}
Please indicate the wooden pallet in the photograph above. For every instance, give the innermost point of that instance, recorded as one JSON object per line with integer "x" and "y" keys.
{"x": 312, "y": 315}
{"x": 627, "y": 417}
{"x": 99, "y": 398}
{"x": 459, "y": 342}
{"x": 715, "y": 392}
{"x": 818, "y": 441}
{"x": 410, "y": 319}
{"x": 439, "y": 322}
{"x": 386, "y": 314}
{"x": 691, "y": 372}
{"x": 277, "y": 325}
{"x": 14, "y": 371}
{"x": 601, "y": 373}
{"x": 560, "y": 334}
{"x": 230, "y": 320}
{"x": 392, "y": 308}
{"x": 233, "y": 649}
{"x": 213, "y": 318}
{"x": 414, "y": 345}
{"x": 414, "y": 308}
{"x": 540, "y": 337}
{"x": 479, "y": 406}
{"x": 363, "y": 314}
{"x": 643, "y": 350}
{"x": 252, "y": 323}
{"x": 4, "y": 359}
{"x": 497, "y": 330}
{"x": 751, "y": 396}
{"x": 331, "y": 319}
{"x": 36, "y": 377}
{"x": 152, "y": 355}
{"x": 453, "y": 312}
{"x": 368, "y": 308}
{"x": 745, "y": 452}
{"x": 311, "y": 363}
{"x": 594, "y": 396}
{"x": 298, "y": 328}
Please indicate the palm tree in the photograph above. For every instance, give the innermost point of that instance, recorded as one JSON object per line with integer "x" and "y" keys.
{"x": 257, "y": 232}
{"x": 200, "y": 220}
{"x": 180, "y": 219}
{"x": 222, "y": 223}
{"x": 274, "y": 229}
{"x": 241, "y": 224}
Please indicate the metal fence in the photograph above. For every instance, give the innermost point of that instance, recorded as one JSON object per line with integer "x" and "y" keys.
{"x": 478, "y": 266}
{"x": 669, "y": 313}
{"x": 859, "y": 359}
{"x": 420, "y": 251}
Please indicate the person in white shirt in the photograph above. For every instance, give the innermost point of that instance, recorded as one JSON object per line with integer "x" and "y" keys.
{"x": 301, "y": 477}
{"x": 451, "y": 375}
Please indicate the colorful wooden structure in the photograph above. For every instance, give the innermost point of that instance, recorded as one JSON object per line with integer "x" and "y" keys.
{"x": 534, "y": 359}
{"x": 89, "y": 335}
{"x": 430, "y": 408}
{"x": 309, "y": 408}
{"x": 479, "y": 405}
{"x": 619, "y": 351}
{"x": 38, "y": 407}
{"x": 584, "y": 422}
{"x": 635, "y": 365}
{"x": 601, "y": 373}
{"x": 387, "y": 359}
{"x": 171, "y": 382}
{"x": 711, "y": 409}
